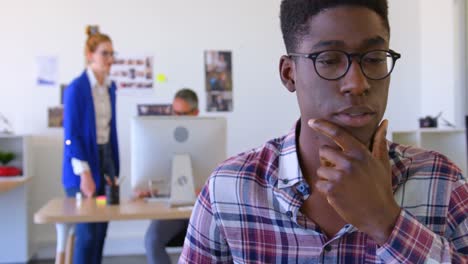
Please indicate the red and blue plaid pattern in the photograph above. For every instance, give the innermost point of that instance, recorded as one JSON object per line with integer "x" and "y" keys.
{"x": 248, "y": 212}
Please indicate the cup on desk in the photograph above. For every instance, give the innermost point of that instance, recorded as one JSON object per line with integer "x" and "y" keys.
{"x": 112, "y": 194}
{"x": 159, "y": 188}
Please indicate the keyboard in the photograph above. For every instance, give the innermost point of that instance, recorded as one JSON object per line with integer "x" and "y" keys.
{"x": 156, "y": 199}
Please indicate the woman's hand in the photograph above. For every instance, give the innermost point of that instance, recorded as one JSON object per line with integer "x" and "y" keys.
{"x": 87, "y": 185}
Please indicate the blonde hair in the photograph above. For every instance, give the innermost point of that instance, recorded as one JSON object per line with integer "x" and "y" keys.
{"x": 95, "y": 38}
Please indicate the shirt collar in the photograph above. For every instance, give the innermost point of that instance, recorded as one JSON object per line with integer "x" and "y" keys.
{"x": 93, "y": 81}
{"x": 289, "y": 171}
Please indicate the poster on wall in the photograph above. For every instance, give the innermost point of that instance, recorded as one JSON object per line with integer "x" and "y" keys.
{"x": 46, "y": 70}
{"x": 154, "y": 109}
{"x": 55, "y": 116}
{"x": 133, "y": 72}
{"x": 218, "y": 81}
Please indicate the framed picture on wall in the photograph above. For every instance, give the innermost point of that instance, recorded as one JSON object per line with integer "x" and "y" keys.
{"x": 154, "y": 109}
{"x": 55, "y": 116}
{"x": 218, "y": 81}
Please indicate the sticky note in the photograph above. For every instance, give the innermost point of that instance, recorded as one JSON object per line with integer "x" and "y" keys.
{"x": 101, "y": 200}
{"x": 161, "y": 78}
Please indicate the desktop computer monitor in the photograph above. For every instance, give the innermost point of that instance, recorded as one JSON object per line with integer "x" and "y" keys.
{"x": 182, "y": 150}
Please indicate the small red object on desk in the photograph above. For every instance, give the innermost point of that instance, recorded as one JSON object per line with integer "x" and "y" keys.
{"x": 8, "y": 171}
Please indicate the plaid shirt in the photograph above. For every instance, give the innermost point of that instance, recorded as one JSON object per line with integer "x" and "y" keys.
{"x": 248, "y": 212}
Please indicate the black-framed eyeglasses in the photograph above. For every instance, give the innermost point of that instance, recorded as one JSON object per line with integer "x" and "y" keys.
{"x": 334, "y": 64}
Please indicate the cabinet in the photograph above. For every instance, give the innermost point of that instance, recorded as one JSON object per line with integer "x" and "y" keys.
{"x": 16, "y": 220}
{"x": 450, "y": 142}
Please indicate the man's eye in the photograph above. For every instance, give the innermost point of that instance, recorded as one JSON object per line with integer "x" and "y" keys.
{"x": 375, "y": 60}
{"x": 328, "y": 61}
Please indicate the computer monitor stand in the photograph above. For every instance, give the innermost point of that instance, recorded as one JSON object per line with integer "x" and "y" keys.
{"x": 182, "y": 186}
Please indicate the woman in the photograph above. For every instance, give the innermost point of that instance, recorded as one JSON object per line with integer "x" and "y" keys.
{"x": 91, "y": 150}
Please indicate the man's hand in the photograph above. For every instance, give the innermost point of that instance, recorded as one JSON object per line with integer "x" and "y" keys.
{"x": 357, "y": 182}
{"x": 87, "y": 185}
{"x": 142, "y": 193}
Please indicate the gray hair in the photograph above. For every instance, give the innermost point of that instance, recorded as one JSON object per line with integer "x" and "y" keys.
{"x": 189, "y": 96}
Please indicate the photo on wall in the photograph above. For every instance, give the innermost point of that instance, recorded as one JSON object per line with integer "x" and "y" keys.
{"x": 218, "y": 81}
{"x": 133, "y": 72}
{"x": 154, "y": 109}
{"x": 62, "y": 90}
{"x": 55, "y": 116}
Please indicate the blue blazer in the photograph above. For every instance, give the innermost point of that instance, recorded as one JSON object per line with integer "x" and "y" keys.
{"x": 80, "y": 139}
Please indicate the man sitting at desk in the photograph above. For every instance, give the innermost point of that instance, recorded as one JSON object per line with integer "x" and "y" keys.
{"x": 162, "y": 233}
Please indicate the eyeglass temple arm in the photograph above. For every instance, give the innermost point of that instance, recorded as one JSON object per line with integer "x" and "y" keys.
{"x": 292, "y": 54}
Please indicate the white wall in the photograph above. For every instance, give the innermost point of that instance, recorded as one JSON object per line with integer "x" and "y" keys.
{"x": 460, "y": 62}
{"x": 465, "y": 58}
{"x": 443, "y": 59}
{"x": 177, "y": 32}
{"x": 406, "y": 80}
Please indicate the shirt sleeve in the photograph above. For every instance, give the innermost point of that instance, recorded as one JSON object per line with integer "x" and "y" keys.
{"x": 412, "y": 242}
{"x": 205, "y": 242}
{"x": 79, "y": 166}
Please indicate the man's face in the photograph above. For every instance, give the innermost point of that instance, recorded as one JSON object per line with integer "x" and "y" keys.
{"x": 181, "y": 107}
{"x": 353, "y": 102}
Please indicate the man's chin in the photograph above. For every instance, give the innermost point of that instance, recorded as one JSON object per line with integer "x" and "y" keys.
{"x": 363, "y": 134}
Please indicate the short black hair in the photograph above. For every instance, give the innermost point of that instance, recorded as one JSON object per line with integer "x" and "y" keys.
{"x": 189, "y": 96}
{"x": 294, "y": 15}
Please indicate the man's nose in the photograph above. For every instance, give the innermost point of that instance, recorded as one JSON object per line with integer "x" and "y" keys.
{"x": 355, "y": 82}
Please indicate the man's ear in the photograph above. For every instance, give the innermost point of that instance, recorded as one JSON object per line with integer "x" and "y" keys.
{"x": 287, "y": 72}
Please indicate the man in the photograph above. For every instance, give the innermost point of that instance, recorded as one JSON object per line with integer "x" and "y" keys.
{"x": 333, "y": 190}
{"x": 163, "y": 233}
{"x": 185, "y": 103}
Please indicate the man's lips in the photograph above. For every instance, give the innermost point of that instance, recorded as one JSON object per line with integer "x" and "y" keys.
{"x": 355, "y": 116}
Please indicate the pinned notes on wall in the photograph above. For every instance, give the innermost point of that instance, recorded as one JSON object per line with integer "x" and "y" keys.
{"x": 46, "y": 70}
{"x": 133, "y": 72}
{"x": 161, "y": 78}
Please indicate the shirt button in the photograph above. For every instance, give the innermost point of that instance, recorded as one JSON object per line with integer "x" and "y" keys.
{"x": 289, "y": 214}
{"x": 285, "y": 181}
{"x": 328, "y": 248}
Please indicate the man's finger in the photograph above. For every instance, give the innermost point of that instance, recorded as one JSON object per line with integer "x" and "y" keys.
{"x": 329, "y": 174}
{"x": 343, "y": 139}
{"x": 324, "y": 187}
{"x": 379, "y": 144}
{"x": 333, "y": 158}
{"x": 326, "y": 163}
